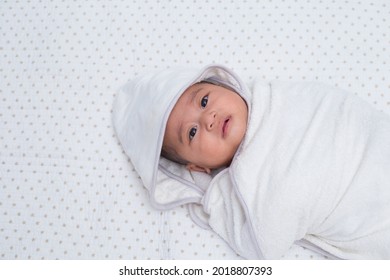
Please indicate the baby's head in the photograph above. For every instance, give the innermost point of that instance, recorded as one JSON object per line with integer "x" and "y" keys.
{"x": 196, "y": 117}
{"x": 205, "y": 127}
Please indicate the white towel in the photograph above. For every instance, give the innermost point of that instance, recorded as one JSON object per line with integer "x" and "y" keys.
{"x": 314, "y": 166}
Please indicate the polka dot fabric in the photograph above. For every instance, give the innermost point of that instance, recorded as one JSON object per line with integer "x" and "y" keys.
{"x": 67, "y": 191}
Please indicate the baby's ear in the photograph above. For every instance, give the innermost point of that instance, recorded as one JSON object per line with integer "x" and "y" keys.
{"x": 194, "y": 167}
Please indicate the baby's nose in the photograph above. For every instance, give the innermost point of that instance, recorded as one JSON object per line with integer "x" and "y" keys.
{"x": 210, "y": 120}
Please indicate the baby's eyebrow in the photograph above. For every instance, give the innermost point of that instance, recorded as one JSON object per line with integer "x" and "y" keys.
{"x": 180, "y": 134}
{"x": 193, "y": 95}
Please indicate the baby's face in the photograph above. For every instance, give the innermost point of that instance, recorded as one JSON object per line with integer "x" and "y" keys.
{"x": 206, "y": 126}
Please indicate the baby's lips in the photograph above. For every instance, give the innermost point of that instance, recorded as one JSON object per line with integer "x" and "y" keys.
{"x": 225, "y": 126}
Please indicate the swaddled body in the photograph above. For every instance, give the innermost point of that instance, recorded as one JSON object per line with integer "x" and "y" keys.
{"x": 313, "y": 166}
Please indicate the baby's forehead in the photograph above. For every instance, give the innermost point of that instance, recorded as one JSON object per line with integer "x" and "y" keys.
{"x": 195, "y": 88}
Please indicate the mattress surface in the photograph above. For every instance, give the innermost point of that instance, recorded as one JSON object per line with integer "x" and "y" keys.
{"x": 67, "y": 190}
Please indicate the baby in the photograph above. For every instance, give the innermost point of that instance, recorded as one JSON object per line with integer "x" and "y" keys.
{"x": 264, "y": 166}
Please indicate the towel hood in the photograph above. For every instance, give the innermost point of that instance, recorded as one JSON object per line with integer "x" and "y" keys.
{"x": 140, "y": 114}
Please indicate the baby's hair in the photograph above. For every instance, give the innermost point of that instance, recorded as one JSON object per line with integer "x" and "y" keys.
{"x": 170, "y": 153}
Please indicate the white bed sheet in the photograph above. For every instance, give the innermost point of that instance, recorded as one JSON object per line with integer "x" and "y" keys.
{"x": 67, "y": 191}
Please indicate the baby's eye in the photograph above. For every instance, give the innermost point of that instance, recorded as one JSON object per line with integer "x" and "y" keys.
{"x": 203, "y": 103}
{"x": 192, "y": 133}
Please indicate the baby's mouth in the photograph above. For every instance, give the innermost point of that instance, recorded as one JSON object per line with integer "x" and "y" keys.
{"x": 225, "y": 127}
